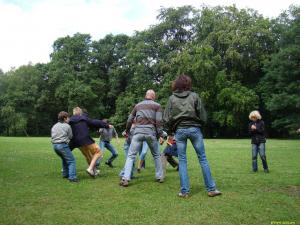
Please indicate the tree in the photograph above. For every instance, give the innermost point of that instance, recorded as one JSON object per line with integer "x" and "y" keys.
{"x": 281, "y": 85}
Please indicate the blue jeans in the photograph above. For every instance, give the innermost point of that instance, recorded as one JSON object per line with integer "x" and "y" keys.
{"x": 68, "y": 160}
{"x": 136, "y": 144}
{"x": 126, "y": 149}
{"x": 195, "y": 136}
{"x": 259, "y": 148}
{"x": 143, "y": 151}
{"x": 108, "y": 145}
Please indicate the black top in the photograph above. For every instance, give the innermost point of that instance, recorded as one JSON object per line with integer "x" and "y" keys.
{"x": 80, "y": 127}
{"x": 257, "y": 135}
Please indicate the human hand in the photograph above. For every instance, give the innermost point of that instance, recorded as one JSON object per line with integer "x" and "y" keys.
{"x": 253, "y": 127}
{"x": 110, "y": 126}
{"x": 161, "y": 140}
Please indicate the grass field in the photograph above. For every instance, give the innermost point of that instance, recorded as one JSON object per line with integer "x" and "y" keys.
{"x": 33, "y": 192}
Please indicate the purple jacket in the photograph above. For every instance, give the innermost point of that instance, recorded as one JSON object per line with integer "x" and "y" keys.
{"x": 80, "y": 127}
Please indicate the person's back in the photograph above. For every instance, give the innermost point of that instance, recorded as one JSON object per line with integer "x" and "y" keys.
{"x": 184, "y": 115}
{"x": 185, "y": 109}
{"x": 61, "y": 133}
{"x": 148, "y": 117}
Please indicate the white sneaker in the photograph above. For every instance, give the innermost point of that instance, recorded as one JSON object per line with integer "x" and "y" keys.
{"x": 90, "y": 172}
{"x": 96, "y": 172}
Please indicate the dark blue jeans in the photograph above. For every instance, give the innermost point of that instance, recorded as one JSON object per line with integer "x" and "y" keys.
{"x": 261, "y": 150}
{"x": 68, "y": 160}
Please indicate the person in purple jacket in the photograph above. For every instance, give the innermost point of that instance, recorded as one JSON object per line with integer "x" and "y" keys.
{"x": 80, "y": 125}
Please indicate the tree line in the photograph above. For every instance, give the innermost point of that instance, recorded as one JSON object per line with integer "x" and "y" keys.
{"x": 238, "y": 60}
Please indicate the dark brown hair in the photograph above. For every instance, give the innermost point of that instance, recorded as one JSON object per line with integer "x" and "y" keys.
{"x": 182, "y": 83}
{"x": 62, "y": 115}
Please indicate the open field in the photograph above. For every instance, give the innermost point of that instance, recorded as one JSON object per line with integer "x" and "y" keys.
{"x": 33, "y": 192}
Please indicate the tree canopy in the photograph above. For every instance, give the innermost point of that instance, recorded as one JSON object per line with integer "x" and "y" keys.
{"x": 238, "y": 60}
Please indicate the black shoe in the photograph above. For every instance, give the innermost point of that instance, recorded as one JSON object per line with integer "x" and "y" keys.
{"x": 75, "y": 180}
{"x": 109, "y": 164}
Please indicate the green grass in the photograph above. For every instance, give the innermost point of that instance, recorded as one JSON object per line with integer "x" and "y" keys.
{"x": 33, "y": 192}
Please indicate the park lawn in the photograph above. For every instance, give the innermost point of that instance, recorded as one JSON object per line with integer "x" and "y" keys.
{"x": 33, "y": 192}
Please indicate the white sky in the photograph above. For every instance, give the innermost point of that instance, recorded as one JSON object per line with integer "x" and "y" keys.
{"x": 28, "y": 28}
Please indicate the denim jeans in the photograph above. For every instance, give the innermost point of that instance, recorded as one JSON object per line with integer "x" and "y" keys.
{"x": 195, "y": 136}
{"x": 143, "y": 151}
{"x": 171, "y": 150}
{"x": 126, "y": 149}
{"x": 259, "y": 148}
{"x": 108, "y": 145}
{"x": 136, "y": 144}
{"x": 68, "y": 160}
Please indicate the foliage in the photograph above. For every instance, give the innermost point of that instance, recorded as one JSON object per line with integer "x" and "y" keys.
{"x": 227, "y": 51}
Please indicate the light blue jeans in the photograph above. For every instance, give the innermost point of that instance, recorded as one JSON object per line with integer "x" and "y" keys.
{"x": 136, "y": 144}
{"x": 126, "y": 149}
{"x": 195, "y": 136}
{"x": 68, "y": 160}
{"x": 143, "y": 151}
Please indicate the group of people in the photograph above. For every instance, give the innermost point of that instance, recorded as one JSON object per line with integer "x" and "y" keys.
{"x": 182, "y": 120}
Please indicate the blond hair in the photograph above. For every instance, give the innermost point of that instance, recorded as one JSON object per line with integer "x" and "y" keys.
{"x": 77, "y": 111}
{"x": 255, "y": 114}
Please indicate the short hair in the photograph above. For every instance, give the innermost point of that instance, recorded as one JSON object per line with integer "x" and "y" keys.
{"x": 255, "y": 114}
{"x": 182, "y": 83}
{"x": 77, "y": 111}
{"x": 62, "y": 116}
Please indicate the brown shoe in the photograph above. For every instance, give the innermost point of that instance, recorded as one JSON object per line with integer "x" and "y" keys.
{"x": 214, "y": 193}
{"x": 124, "y": 183}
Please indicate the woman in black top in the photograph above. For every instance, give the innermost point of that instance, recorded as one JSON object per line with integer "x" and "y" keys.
{"x": 258, "y": 140}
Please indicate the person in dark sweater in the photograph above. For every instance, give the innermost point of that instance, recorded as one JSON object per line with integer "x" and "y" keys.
{"x": 258, "y": 140}
{"x": 184, "y": 115}
{"x": 80, "y": 125}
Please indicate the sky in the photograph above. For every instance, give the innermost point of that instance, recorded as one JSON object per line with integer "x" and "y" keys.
{"x": 28, "y": 28}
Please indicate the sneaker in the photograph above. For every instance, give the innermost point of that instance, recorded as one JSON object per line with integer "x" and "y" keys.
{"x": 109, "y": 164}
{"x": 214, "y": 193}
{"x": 161, "y": 180}
{"x": 183, "y": 195}
{"x": 124, "y": 183}
{"x": 91, "y": 173}
{"x": 75, "y": 180}
{"x": 96, "y": 172}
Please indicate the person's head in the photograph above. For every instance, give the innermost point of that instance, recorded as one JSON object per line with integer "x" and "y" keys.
{"x": 182, "y": 83}
{"x": 63, "y": 117}
{"x": 254, "y": 115}
{"x": 150, "y": 94}
{"x": 77, "y": 111}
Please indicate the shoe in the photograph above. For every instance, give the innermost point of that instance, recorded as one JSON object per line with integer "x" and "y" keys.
{"x": 124, "y": 183}
{"x": 214, "y": 193}
{"x": 177, "y": 168}
{"x": 109, "y": 164}
{"x": 91, "y": 173}
{"x": 266, "y": 171}
{"x": 161, "y": 180}
{"x": 75, "y": 180}
{"x": 138, "y": 170}
{"x": 183, "y": 195}
{"x": 254, "y": 171}
{"x": 96, "y": 172}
